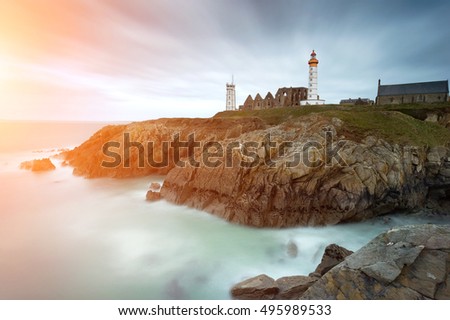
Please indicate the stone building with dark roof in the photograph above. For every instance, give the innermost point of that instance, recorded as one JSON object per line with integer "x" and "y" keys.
{"x": 435, "y": 91}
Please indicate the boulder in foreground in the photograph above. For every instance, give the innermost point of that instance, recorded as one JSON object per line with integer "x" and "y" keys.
{"x": 256, "y": 288}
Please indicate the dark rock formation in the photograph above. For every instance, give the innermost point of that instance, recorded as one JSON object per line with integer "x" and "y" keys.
{"x": 407, "y": 263}
{"x": 153, "y": 196}
{"x": 332, "y": 256}
{"x": 257, "y": 288}
{"x": 38, "y": 165}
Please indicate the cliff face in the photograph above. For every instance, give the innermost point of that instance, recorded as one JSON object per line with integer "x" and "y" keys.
{"x": 338, "y": 179}
{"x": 123, "y": 151}
{"x": 293, "y": 167}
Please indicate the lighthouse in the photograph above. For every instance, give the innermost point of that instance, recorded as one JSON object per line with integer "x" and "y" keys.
{"x": 313, "y": 96}
{"x": 231, "y": 96}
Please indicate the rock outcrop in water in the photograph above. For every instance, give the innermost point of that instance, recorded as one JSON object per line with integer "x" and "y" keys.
{"x": 405, "y": 263}
{"x": 38, "y": 165}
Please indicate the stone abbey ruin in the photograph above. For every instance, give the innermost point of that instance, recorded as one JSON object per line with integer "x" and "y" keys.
{"x": 285, "y": 97}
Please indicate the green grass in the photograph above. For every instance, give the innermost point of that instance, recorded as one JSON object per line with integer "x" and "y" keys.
{"x": 397, "y": 124}
{"x": 392, "y": 126}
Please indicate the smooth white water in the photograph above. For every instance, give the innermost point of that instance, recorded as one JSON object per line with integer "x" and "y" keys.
{"x": 66, "y": 237}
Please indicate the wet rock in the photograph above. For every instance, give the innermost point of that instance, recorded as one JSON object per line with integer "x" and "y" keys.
{"x": 332, "y": 256}
{"x": 291, "y": 288}
{"x": 261, "y": 287}
{"x": 38, "y": 165}
{"x": 292, "y": 249}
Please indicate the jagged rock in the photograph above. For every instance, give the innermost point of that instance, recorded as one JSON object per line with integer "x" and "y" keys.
{"x": 332, "y": 256}
{"x": 256, "y": 288}
{"x": 411, "y": 262}
{"x": 291, "y": 288}
{"x": 153, "y": 196}
{"x": 38, "y": 165}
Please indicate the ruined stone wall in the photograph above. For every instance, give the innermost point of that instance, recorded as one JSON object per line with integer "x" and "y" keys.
{"x": 285, "y": 97}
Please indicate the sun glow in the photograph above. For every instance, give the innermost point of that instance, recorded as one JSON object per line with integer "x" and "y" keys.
{"x": 5, "y": 67}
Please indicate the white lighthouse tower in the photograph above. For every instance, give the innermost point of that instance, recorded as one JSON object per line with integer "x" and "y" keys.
{"x": 231, "y": 96}
{"x": 313, "y": 96}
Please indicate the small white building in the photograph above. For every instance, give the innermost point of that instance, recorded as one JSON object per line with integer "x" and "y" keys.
{"x": 313, "y": 96}
{"x": 231, "y": 96}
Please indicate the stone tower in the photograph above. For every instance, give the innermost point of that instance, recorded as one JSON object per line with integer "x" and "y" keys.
{"x": 231, "y": 96}
{"x": 313, "y": 96}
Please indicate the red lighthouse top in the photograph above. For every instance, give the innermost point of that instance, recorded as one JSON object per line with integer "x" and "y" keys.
{"x": 313, "y": 62}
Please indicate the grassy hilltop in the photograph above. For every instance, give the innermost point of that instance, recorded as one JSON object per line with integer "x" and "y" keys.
{"x": 403, "y": 124}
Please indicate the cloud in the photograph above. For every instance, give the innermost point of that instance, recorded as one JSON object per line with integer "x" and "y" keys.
{"x": 151, "y": 58}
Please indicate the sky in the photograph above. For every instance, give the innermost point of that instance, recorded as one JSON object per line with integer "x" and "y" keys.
{"x": 126, "y": 60}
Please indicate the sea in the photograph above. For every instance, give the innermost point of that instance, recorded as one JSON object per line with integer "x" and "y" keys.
{"x": 67, "y": 237}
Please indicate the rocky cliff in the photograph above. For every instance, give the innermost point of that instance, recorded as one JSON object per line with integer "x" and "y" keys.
{"x": 141, "y": 147}
{"x": 335, "y": 178}
{"x": 284, "y": 167}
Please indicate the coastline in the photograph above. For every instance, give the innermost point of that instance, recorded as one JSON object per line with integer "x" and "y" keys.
{"x": 217, "y": 242}
{"x": 353, "y": 163}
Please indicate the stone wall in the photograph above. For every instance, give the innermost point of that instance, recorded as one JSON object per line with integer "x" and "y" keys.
{"x": 412, "y": 98}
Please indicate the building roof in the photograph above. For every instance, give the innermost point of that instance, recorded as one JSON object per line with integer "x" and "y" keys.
{"x": 413, "y": 88}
